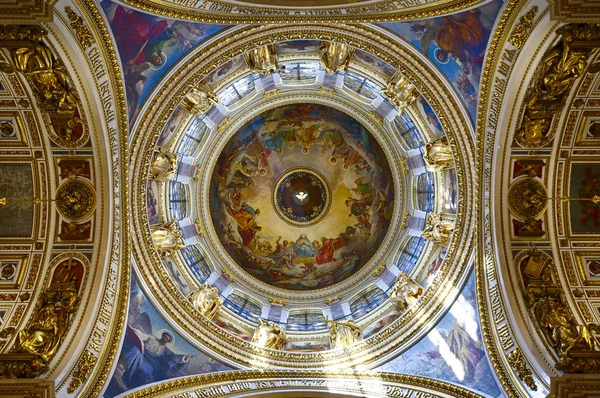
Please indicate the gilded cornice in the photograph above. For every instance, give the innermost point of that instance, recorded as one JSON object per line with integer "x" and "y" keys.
{"x": 229, "y": 12}
{"x": 27, "y": 11}
{"x": 202, "y": 61}
{"x": 517, "y": 376}
{"x": 230, "y": 384}
{"x": 586, "y": 11}
{"x": 109, "y": 320}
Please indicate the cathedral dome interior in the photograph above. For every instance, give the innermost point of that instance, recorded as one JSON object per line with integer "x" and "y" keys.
{"x": 299, "y": 198}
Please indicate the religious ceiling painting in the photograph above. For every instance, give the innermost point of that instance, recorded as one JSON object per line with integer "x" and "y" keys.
{"x": 585, "y": 184}
{"x": 224, "y": 71}
{"x": 152, "y": 351}
{"x": 430, "y": 117}
{"x": 152, "y": 206}
{"x": 380, "y": 323}
{"x": 308, "y": 346}
{"x": 298, "y": 46}
{"x": 16, "y": 216}
{"x": 453, "y": 350}
{"x": 149, "y": 46}
{"x": 374, "y": 63}
{"x": 456, "y": 44}
{"x": 295, "y": 227}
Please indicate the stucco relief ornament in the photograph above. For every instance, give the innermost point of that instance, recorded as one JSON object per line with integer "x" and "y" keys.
{"x": 400, "y": 91}
{"x": 46, "y": 330}
{"x": 575, "y": 344}
{"x": 167, "y": 238}
{"x": 75, "y": 199}
{"x": 527, "y": 198}
{"x": 269, "y": 335}
{"x": 438, "y": 230}
{"x": 199, "y": 99}
{"x": 335, "y": 57}
{"x": 343, "y": 333}
{"x": 262, "y": 60}
{"x": 48, "y": 78}
{"x": 405, "y": 291}
{"x": 207, "y": 300}
{"x": 559, "y": 69}
{"x": 438, "y": 155}
{"x": 164, "y": 165}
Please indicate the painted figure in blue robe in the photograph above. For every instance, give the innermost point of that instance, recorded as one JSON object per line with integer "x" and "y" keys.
{"x": 149, "y": 359}
{"x": 303, "y": 247}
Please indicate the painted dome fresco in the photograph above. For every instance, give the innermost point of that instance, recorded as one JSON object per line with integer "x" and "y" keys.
{"x": 302, "y": 196}
{"x": 299, "y": 194}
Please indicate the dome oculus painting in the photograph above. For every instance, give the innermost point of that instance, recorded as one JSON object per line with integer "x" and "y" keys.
{"x": 254, "y": 214}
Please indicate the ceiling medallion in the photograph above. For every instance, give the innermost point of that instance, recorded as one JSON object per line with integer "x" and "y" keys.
{"x": 301, "y": 197}
{"x": 75, "y": 200}
{"x": 527, "y": 198}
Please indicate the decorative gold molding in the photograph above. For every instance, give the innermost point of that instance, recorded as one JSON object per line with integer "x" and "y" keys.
{"x": 83, "y": 34}
{"x": 229, "y": 384}
{"x": 86, "y": 363}
{"x": 587, "y": 11}
{"x": 222, "y": 11}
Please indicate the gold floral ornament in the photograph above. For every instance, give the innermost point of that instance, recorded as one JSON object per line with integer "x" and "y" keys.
{"x": 437, "y": 229}
{"x": 343, "y": 333}
{"x": 438, "y": 155}
{"x": 47, "y": 77}
{"x": 199, "y": 99}
{"x": 560, "y": 67}
{"x": 527, "y": 198}
{"x": 75, "y": 199}
{"x": 522, "y": 30}
{"x": 164, "y": 165}
{"x": 206, "y": 300}
{"x": 335, "y": 57}
{"x": 400, "y": 91}
{"x": 83, "y": 32}
{"x": 167, "y": 238}
{"x": 269, "y": 335}
{"x": 405, "y": 292}
{"x": 262, "y": 60}
{"x": 84, "y": 367}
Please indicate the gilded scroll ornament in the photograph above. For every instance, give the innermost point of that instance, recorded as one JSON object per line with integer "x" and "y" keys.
{"x": 75, "y": 199}
{"x": 84, "y": 367}
{"x": 405, "y": 291}
{"x": 560, "y": 67}
{"x": 262, "y": 60}
{"x": 527, "y": 198}
{"x": 199, "y": 99}
{"x": 269, "y": 335}
{"x": 84, "y": 36}
{"x": 523, "y": 28}
{"x": 438, "y": 230}
{"x": 517, "y": 361}
{"x": 335, "y": 57}
{"x": 438, "y": 155}
{"x": 164, "y": 165}
{"x": 401, "y": 92}
{"x": 343, "y": 333}
{"x": 206, "y": 300}
{"x": 167, "y": 238}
